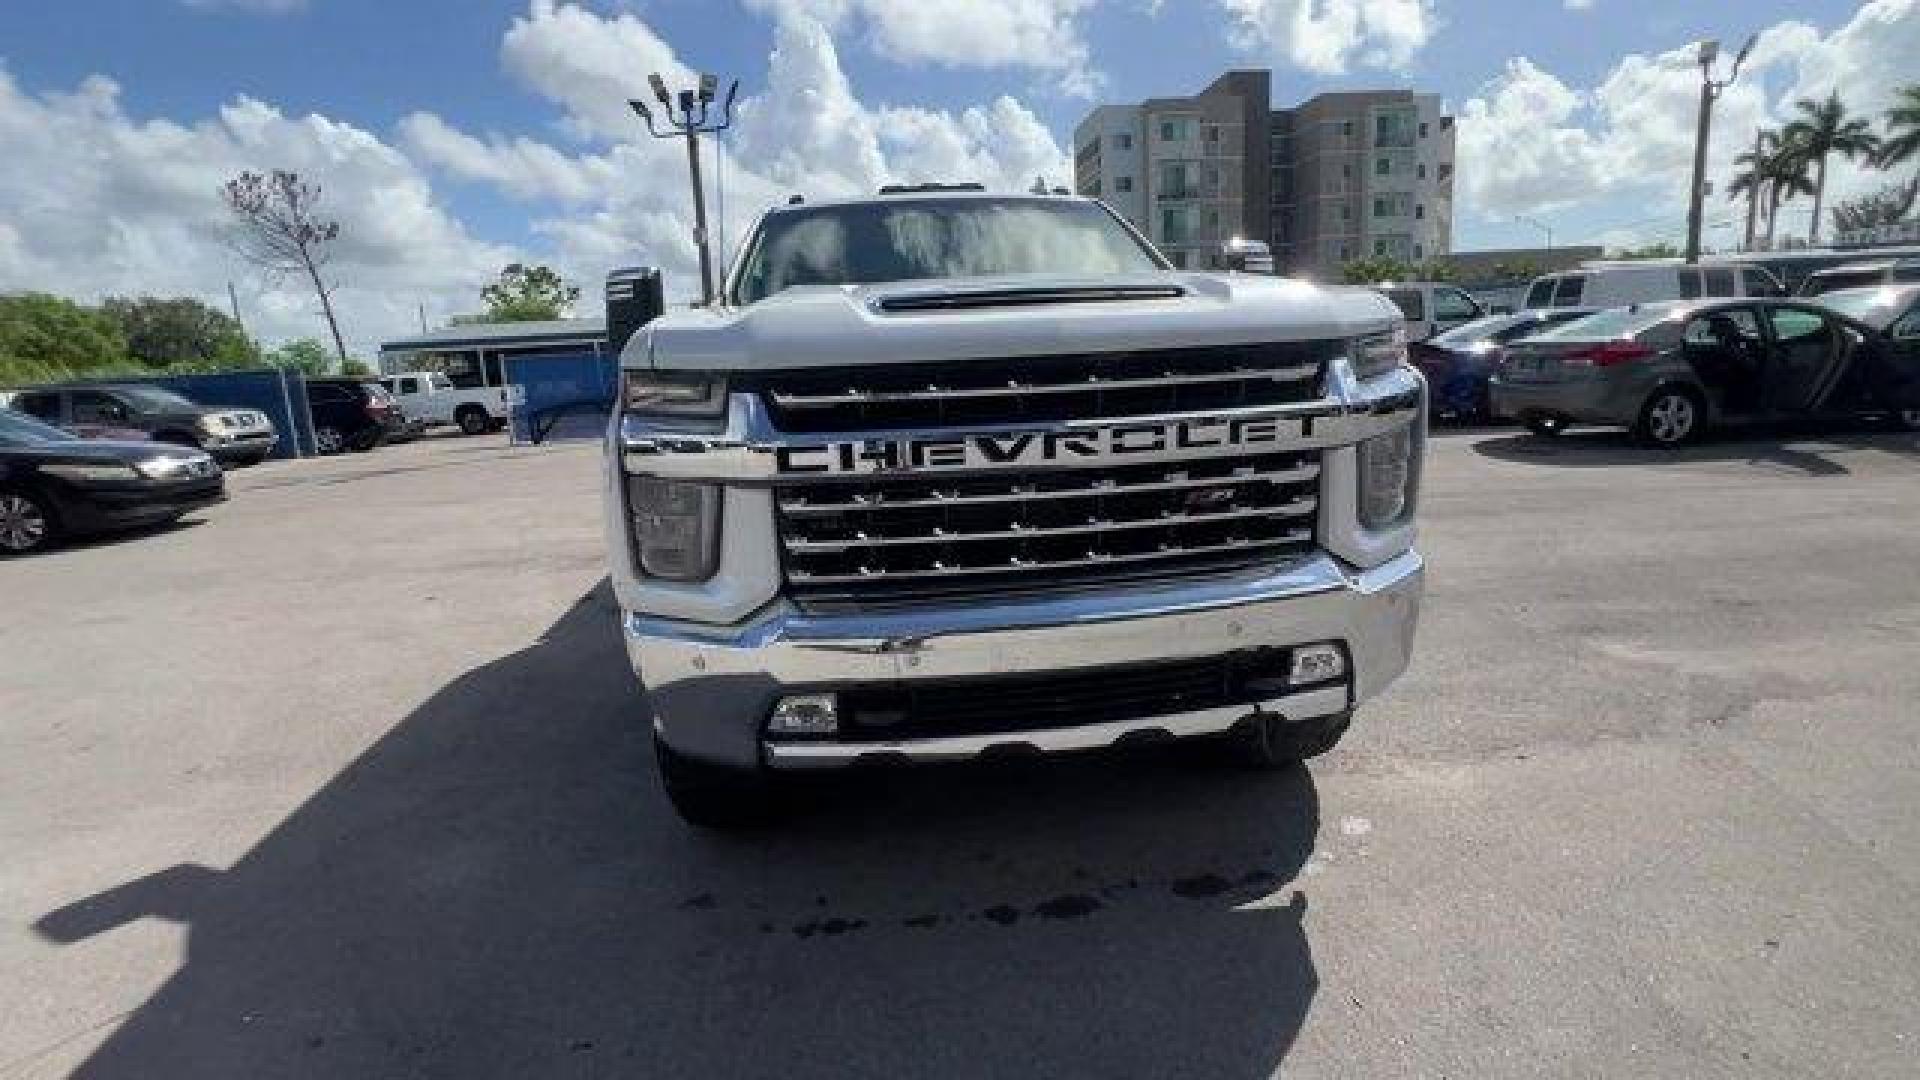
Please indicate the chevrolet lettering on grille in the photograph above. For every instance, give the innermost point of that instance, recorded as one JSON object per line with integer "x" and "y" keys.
{"x": 1191, "y": 437}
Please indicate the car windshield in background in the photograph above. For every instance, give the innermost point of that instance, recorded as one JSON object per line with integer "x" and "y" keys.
{"x": 151, "y": 399}
{"x": 1480, "y": 329}
{"x": 914, "y": 239}
{"x": 19, "y": 430}
{"x": 1607, "y": 325}
{"x": 1875, "y": 307}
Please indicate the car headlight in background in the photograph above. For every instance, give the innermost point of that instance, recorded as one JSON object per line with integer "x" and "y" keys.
{"x": 668, "y": 393}
{"x": 165, "y": 468}
{"x": 90, "y": 473}
{"x": 1377, "y": 354}
{"x": 676, "y": 527}
{"x": 1388, "y": 476}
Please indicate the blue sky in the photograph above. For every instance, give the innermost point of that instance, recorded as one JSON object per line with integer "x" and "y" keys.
{"x": 1572, "y": 108}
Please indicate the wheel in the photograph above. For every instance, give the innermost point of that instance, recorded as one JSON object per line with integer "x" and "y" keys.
{"x": 328, "y": 440}
{"x": 1274, "y": 742}
{"x": 26, "y": 523}
{"x": 1672, "y": 416}
{"x": 1907, "y": 420}
{"x": 473, "y": 420}
{"x": 1547, "y": 427}
{"x": 711, "y": 796}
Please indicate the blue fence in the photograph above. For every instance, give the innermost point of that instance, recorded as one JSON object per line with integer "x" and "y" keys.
{"x": 561, "y": 396}
{"x": 279, "y": 393}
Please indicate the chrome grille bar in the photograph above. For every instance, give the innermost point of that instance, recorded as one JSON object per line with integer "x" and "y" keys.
{"x": 1176, "y": 480}
{"x": 1092, "y": 559}
{"x": 854, "y": 396}
{"x": 1296, "y": 508}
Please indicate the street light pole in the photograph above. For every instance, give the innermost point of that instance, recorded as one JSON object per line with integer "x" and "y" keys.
{"x": 1538, "y": 224}
{"x": 1710, "y": 89}
{"x": 691, "y": 123}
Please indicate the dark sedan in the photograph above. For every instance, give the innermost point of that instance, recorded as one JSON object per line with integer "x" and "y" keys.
{"x": 1458, "y": 361}
{"x": 53, "y": 485}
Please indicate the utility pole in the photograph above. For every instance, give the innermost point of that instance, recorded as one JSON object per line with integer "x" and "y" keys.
{"x": 1538, "y": 224}
{"x": 690, "y": 124}
{"x": 1710, "y": 89}
{"x": 233, "y": 301}
{"x": 423, "y": 316}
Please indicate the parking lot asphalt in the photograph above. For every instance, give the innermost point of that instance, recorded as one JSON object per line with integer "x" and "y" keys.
{"x": 350, "y": 779}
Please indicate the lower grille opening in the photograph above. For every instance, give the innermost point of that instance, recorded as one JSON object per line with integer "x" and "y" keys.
{"x": 1008, "y": 704}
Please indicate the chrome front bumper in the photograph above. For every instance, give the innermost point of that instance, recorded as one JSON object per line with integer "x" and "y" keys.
{"x": 712, "y": 688}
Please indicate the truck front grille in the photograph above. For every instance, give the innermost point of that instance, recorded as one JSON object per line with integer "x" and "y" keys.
{"x": 1034, "y": 389}
{"x": 901, "y": 539}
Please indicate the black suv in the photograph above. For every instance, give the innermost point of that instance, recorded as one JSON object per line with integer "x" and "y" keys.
{"x": 134, "y": 410}
{"x": 351, "y": 414}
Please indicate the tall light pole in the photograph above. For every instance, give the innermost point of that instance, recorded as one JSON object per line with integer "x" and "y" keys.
{"x": 1710, "y": 89}
{"x": 691, "y": 123}
{"x": 1538, "y": 224}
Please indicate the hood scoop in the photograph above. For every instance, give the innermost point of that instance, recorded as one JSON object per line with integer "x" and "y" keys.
{"x": 1033, "y": 296}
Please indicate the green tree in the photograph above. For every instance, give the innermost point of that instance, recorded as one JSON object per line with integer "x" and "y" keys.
{"x": 528, "y": 294}
{"x": 1876, "y": 208}
{"x": 1516, "y": 270}
{"x": 1375, "y": 269}
{"x": 1822, "y": 130}
{"x": 1751, "y": 180}
{"x": 180, "y": 333}
{"x": 1785, "y": 174}
{"x": 45, "y": 337}
{"x": 1658, "y": 250}
{"x": 357, "y": 369}
{"x": 308, "y": 356}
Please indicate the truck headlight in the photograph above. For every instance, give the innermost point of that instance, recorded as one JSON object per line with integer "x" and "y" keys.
{"x": 1387, "y": 478}
{"x": 673, "y": 393}
{"x": 1377, "y": 354}
{"x": 676, "y": 527}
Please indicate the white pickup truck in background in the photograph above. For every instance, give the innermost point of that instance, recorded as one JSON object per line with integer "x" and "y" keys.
{"x": 432, "y": 397}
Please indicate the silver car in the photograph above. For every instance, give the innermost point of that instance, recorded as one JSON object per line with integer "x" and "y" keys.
{"x": 1671, "y": 371}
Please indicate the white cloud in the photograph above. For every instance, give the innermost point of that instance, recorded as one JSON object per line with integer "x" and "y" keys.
{"x": 1044, "y": 35}
{"x": 1529, "y": 143}
{"x": 1331, "y": 36}
{"x": 114, "y": 205}
{"x": 1579, "y": 5}
{"x": 806, "y": 133}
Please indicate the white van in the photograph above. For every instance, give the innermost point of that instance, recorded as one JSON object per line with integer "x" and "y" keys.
{"x": 1616, "y": 284}
{"x": 1430, "y": 307}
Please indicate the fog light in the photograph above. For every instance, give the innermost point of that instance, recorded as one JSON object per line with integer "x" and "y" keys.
{"x": 1387, "y": 478}
{"x": 1317, "y": 663}
{"x": 805, "y": 714}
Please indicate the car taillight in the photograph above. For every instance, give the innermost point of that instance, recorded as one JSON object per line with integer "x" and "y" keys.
{"x": 1607, "y": 354}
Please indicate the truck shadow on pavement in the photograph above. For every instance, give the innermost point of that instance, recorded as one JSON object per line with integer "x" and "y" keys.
{"x": 496, "y": 888}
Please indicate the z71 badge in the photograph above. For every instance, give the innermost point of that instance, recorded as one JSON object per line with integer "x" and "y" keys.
{"x": 1170, "y": 440}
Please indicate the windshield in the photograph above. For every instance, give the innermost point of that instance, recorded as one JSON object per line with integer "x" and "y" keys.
{"x": 18, "y": 430}
{"x": 1608, "y": 325}
{"x": 1875, "y": 307}
{"x": 914, "y": 239}
{"x": 150, "y": 399}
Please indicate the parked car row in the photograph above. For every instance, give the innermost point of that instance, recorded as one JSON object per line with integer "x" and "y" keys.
{"x": 93, "y": 457}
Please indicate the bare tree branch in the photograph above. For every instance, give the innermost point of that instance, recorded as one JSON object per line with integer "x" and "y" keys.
{"x": 283, "y": 231}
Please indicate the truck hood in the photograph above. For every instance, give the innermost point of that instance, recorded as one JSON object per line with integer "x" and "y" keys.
{"x": 1032, "y": 315}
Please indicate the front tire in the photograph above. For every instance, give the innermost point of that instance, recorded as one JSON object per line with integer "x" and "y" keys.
{"x": 473, "y": 420}
{"x": 712, "y": 796}
{"x": 1274, "y": 742}
{"x": 1672, "y": 416}
{"x": 328, "y": 441}
{"x": 1907, "y": 420}
{"x": 27, "y": 523}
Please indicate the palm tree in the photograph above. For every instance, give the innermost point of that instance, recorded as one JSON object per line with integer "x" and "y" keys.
{"x": 1751, "y": 180}
{"x": 1824, "y": 129}
{"x": 1784, "y": 172}
{"x": 1903, "y": 128}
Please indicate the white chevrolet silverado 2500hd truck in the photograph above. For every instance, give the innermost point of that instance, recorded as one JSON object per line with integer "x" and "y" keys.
{"x": 946, "y": 475}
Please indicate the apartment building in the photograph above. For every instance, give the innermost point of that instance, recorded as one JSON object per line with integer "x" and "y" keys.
{"x": 1340, "y": 177}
